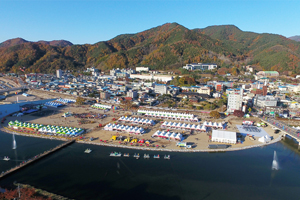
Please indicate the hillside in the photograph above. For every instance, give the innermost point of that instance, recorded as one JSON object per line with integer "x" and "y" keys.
{"x": 295, "y": 38}
{"x": 270, "y": 51}
{"x": 169, "y": 46}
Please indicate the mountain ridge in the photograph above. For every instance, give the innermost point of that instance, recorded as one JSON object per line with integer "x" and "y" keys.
{"x": 168, "y": 46}
{"x": 17, "y": 41}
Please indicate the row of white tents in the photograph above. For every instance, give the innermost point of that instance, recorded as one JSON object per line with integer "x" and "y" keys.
{"x": 136, "y": 120}
{"x": 169, "y": 115}
{"x": 179, "y": 125}
{"x": 167, "y": 134}
{"x": 183, "y": 126}
{"x": 128, "y": 129}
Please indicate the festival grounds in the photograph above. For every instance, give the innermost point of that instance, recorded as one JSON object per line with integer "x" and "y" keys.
{"x": 199, "y": 140}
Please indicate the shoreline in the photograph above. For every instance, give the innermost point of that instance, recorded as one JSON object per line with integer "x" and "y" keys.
{"x": 6, "y": 130}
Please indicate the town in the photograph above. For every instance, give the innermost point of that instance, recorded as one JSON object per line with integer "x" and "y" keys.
{"x": 107, "y": 106}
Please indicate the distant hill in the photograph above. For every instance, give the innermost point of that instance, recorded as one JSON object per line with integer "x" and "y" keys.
{"x": 17, "y": 41}
{"x": 169, "y": 46}
{"x": 13, "y": 42}
{"x": 296, "y": 38}
{"x": 59, "y": 43}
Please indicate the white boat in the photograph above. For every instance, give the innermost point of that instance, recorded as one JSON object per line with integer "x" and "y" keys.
{"x": 167, "y": 157}
{"x": 126, "y": 154}
{"x": 146, "y": 156}
{"x": 115, "y": 154}
{"x": 136, "y": 155}
{"x": 88, "y": 151}
{"x": 6, "y": 158}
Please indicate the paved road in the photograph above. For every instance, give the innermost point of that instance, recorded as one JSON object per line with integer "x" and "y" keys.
{"x": 281, "y": 125}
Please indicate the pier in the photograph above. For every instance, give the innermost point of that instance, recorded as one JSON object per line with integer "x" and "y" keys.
{"x": 35, "y": 158}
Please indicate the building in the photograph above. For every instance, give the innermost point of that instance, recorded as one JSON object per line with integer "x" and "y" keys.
{"x": 142, "y": 69}
{"x": 59, "y": 73}
{"x": 121, "y": 72}
{"x": 234, "y": 101}
{"x": 267, "y": 74}
{"x": 160, "y": 88}
{"x": 152, "y": 77}
{"x": 265, "y": 101}
{"x": 104, "y": 95}
{"x": 132, "y": 93}
{"x": 200, "y": 66}
{"x": 204, "y": 90}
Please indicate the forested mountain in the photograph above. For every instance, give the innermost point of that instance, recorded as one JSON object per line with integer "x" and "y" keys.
{"x": 169, "y": 46}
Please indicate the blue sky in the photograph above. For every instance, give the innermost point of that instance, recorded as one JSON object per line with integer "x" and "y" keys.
{"x": 91, "y": 21}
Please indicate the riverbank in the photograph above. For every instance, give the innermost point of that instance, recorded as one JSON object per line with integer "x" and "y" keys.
{"x": 42, "y": 192}
{"x": 96, "y": 135}
{"x": 7, "y": 130}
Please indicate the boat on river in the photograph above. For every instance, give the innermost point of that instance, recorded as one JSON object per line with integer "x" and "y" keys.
{"x": 146, "y": 156}
{"x": 156, "y": 156}
{"x": 167, "y": 157}
{"x": 115, "y": 154}
{"x": 6, "y": 158}
{"x": 126, "y": 154}
{"x": 136, "y": 155}
{"x": 88, "y": 151}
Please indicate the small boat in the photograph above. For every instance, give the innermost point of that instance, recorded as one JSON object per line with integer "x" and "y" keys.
{"x": 88, "y": 151}
{"x": 126, "y": 154}
{"x": 6, "y": 158}
{"x": 156, "y": 156}
{"x": 115, "y": 154}
{"x": 167, "y": 157}
{"x": 146, "y": 156}
{"x": 137, "y": 155}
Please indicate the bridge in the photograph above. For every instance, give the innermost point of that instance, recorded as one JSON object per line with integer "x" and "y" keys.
{"x": 35, "y": 158}
{"x": 13, "y": 89}
{"x": 283, "y": 127}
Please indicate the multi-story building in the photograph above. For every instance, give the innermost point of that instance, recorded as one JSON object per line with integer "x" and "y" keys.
{"x": 265, "y": 101}
{"x": 132, "y": 93}
{"x": 160, "y": 88}
{"x": 59, "y": 73}
{"x": 104, "y": 95}
{"x": 201, "y": 66}
{"x": 142, "y": 69}
{"x": 234, "y": 101}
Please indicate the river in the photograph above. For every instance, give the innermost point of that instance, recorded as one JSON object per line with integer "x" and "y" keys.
{"x": 244, "y": 174}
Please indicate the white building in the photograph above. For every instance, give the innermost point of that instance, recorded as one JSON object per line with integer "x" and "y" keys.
{"x": 265, "y": 101}
{"x": 160, "y": 88}
{"x": 132, "y": 93}
{"x": 163, "y": 78}
{"x": 59, "y": 73}
{"x": 223, "y": 136}
{"x": 201, "y": 66}
{"x": 142, "y": 69}
{"x": 234, "y": 101}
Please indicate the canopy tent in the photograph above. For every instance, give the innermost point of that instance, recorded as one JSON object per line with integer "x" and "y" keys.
{"x": 128, "y": 129}
{"x": 223, "y": 136}
{"x": 264, "y": 139}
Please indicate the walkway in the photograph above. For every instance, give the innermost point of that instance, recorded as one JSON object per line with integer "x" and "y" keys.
{"x": 35, "y": 158}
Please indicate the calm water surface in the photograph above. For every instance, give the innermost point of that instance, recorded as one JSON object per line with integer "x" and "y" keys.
{"x": 243, "y": 174}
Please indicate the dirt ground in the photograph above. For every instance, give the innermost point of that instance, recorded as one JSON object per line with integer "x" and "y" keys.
{"x": 199, "y": 140}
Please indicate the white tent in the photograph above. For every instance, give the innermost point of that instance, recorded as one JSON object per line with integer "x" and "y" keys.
{"x": 264, "y": 139}
{"x": 223, "y": 136}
